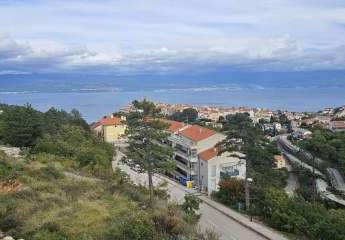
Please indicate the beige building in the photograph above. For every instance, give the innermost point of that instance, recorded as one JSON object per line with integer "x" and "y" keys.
{"x": 110, "y": 128}
{"x": 280, "y": 161}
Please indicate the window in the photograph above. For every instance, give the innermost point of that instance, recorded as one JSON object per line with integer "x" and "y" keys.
{"x": 193, "y": 153}
{"x": 181, "y": 160}
{"x": 213, "y": 185}
{"x": 213, "y": 171}
{"x": 179, "y": 170}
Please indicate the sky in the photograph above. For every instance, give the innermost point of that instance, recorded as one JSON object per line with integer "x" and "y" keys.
{"x": 167, "y": 36}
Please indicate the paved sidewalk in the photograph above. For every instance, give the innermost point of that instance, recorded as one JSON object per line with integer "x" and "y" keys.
{"x": 262, "y": 230}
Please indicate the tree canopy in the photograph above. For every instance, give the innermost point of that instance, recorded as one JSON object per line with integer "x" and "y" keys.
{"x": 146, "y": 138}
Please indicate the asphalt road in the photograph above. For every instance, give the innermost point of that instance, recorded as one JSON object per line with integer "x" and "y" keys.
{"x": 211, "y": 218}
{"x": 336, "y": 179}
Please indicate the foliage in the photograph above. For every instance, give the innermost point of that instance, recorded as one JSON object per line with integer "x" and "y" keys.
{"x": 189, "y": 115}
{"x": 55, "y": 132}
{"x": 270, "y": 203}
{"x": 295, "y": 215}
{"x": 231, "y": 192}
{"x": 21, "y": 126}
{"x": 190, "y": 207}
{"x": 146, "y": 137}
{"x": 53, "y": 206}
{"x": 246, "y": 137}
{"x": 74, "y": 142}
{"x": 327, "y": 145}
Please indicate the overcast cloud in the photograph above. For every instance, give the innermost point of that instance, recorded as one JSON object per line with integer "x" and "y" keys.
{"x": 128, "y": 36}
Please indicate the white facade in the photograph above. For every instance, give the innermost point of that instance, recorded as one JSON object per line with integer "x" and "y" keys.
{"x": 212, "y": 170}
{"x": 205, "y": 174}
{"x": 186, "y": 153}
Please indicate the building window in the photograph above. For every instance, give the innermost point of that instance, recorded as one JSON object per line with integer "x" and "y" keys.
{"x": 181, "y": 148}
{"x": 213, "y": 171}
{"x": 181, "y": 160}
{"x": 213, "y": 185}
{"x": 193, "y": 153}
{"x": 179, "y": 170}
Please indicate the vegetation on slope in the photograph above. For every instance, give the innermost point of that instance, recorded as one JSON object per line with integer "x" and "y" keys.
{"x": 53, "y": 203}
{"x": 327, "y": 145}
{"x": 269, "y": 202}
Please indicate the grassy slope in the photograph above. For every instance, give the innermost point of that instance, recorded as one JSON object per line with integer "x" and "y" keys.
{"x": 62, "y": 206}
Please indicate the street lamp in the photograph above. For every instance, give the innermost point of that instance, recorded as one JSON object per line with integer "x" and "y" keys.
{"x": 248, "y": 181}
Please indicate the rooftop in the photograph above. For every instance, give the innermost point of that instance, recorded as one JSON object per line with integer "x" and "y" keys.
{"x": 339, "y": 124}
{"x": 174, "y": 126}
{"x": 197, "y": 133}
{"x": 278, "y": 158}
{"x": 108, "y": 121}
{"x": 209, "y": 154}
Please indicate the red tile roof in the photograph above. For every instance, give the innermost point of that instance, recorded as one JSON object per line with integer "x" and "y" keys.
{"x": 108, "y": 121}
{"x": 209, "y": 153}
{"x": 278, "y": 158}
{"x": 174, "y": 126}
{"x": 197, "y": 133}
{"x": 94, "y": 125}
{"x": 339, "y": 124}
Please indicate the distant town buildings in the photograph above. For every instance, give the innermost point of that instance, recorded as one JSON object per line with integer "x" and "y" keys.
{"x": 110, "y": 128}
{"x": 337, "y": 126}
{"x": 280, "y": 161}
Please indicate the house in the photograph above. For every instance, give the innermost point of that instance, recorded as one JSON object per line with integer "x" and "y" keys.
{"x": 300, "y": 133}
{"x": 194, "y": 158}
{"x": 110, "y": 128}
{"x": 280, "y": 161}
{"x": 277, "y": 126}
{"x": 337, "y": 126}
{"x": 327, "y": 110}
{"x": 213, "y": 166}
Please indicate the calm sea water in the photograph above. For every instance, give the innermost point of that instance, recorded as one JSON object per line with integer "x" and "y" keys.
{"x": 94, "y": 105}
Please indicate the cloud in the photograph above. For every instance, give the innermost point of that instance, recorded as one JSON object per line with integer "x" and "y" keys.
{"x": 258, "y": 54}
{"x": 132, "y": 36}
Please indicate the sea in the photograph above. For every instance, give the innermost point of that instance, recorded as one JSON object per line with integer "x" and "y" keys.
{"x": 98, "y": 95}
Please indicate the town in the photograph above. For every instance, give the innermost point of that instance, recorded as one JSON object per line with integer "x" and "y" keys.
{"x": 196, "y": 132}
{"x": 236, "y": 167}
{"x": 198, "y": 162}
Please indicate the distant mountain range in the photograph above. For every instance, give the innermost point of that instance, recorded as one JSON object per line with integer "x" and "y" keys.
{"x": 29, "y": 83}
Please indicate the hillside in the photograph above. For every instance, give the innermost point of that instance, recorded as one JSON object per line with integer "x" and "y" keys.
{"x": 62, "y": 186}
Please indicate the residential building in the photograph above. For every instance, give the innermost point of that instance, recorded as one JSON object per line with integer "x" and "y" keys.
{"x": 110, "y": 128}
{"x": 195, "y": 160}
{"x": 327, "y": 110}
{"x": 301, "y": 133}
{"x": 277, "y": 126}
{"x": 212, "y": 166}
{"x": 337, "y": 126}
{"x": 280, "y": 161}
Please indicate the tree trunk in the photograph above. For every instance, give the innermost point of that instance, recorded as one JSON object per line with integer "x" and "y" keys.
{"x": 149, "y": 172}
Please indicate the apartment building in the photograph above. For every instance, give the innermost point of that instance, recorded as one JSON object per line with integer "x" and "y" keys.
{"x": 195, "y": 160}
{"x": 212, "y": 166}
{"x": 110, "y": 128}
